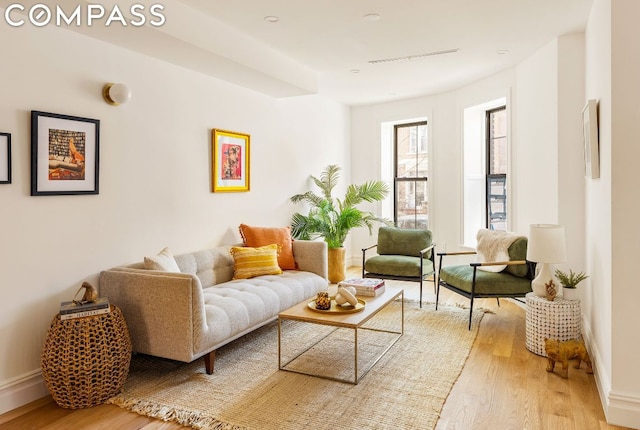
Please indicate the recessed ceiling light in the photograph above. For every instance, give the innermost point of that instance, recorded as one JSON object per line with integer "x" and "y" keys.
{"x": 502, "y": 51}
{"x": 271, "y": 18}
{"x": 371, "y": 17}
{"x": 355, "y": 71}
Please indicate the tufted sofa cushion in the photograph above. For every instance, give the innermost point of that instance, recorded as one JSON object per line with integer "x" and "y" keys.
{"x": 234, "y": 306}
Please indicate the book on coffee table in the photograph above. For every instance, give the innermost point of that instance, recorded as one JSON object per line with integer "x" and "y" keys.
{"x": 364, "y": 286}
{"x": 363, "y": 283}
{"x": 371, "y": 293}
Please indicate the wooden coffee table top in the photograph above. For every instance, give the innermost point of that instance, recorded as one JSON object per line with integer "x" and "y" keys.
{"x": 301, "y": 311}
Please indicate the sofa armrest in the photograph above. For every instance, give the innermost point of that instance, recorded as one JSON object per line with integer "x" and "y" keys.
{"x": 311, "y": 256}
{"x": 163, "y": 310}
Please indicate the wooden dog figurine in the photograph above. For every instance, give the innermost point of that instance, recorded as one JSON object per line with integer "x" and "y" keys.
{"x": 565, "y": 351}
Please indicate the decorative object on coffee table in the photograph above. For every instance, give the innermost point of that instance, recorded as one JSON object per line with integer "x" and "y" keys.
{"x": 559, "y": 319}
{"x": 85, "y": 361}
{"x": 335, "y": 308}
{"x": 323, "y": 302}
{"x": 346, "y": 296}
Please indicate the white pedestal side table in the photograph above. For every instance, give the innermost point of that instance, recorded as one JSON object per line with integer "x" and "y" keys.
{"x": 559, "y": 319}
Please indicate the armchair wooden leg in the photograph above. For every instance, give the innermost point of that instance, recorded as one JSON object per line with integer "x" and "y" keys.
{"x": 208, "y": 361}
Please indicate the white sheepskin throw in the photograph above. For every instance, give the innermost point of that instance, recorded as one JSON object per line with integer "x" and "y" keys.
{"x": 493, "y": 245}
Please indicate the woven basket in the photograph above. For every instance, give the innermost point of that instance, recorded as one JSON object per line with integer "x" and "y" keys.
{"x": 85, "y": 361}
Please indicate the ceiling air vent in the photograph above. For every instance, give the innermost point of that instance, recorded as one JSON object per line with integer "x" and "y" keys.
{"x": 413, "y": 57}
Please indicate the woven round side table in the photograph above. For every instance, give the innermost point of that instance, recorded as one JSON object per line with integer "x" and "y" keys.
{"x": 559, "y": 319}
{"x": 85, "y": 361}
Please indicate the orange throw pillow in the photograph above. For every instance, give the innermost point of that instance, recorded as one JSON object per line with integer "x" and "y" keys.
{"x": 262, "y": 236}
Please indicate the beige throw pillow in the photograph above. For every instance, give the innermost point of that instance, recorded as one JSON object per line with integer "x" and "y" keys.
{"x": 163, "y": 261}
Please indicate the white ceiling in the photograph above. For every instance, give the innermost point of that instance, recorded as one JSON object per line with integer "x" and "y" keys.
{"x": 315, "y": 45}
{"x": 331, "y": 37}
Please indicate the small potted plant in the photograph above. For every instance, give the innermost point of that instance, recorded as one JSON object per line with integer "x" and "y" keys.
{"x": 570, "y": 281}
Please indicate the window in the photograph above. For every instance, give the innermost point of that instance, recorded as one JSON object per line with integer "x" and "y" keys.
{"x": 411, "y": 170}
{"x": 496, "y": 172}
{"x": 485, "y": 160}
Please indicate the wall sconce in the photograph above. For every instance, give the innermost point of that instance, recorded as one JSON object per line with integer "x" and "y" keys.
{"x": 116, "y": 94}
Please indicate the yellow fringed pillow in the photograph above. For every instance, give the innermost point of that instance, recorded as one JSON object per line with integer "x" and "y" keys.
{"x": 250, "y": 262}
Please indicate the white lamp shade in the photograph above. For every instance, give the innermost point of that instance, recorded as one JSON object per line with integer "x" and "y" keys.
{"x": 116, "y": 94}
{"x": 546, "y": 244}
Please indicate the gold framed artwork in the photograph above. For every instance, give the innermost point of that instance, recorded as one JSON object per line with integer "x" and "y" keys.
{"x": 230, "y": 151}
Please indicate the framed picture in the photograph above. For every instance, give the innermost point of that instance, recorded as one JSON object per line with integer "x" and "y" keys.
{"x": 591, "y": 145}
{"x": 64, "y": 154}
{"x": 230, "y": 152}
{"x": 5, "y": 158}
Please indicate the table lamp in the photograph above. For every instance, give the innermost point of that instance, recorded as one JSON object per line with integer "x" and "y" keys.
{"x": 545, "y": 247}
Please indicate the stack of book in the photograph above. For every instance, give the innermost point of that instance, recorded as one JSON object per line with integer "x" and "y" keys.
{"x": 79, "y": 309}
{"x": 364, "y": 286}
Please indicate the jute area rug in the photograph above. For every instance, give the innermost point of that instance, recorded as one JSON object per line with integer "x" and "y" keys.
{"x": 406, "y": 389}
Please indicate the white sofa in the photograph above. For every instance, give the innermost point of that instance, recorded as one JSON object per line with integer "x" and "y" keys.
{"x": 183, "y": 316}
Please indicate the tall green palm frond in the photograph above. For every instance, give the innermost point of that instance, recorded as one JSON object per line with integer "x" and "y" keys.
{"x": 331, "y": 218}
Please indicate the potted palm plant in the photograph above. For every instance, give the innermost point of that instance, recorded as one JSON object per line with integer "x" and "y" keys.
{"x": 331, "y": 219}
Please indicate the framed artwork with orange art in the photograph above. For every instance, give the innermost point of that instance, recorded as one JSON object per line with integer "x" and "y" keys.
{"x": 65, "y": 154}
{"x": 230, "y": 152}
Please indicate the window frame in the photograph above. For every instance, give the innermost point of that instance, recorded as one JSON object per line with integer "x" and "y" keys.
{"x": 490, "y": 176}
{"x": 415, "y": 179}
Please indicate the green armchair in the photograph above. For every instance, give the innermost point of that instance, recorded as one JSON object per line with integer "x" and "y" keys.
{"x": 508, "y": 278}
{"x": 403, "y": 254}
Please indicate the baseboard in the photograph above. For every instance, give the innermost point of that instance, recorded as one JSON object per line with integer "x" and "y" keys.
{"x": 22, "y": 390}
{"x": 619, "y": 409}
{"x": 623, "y": 410}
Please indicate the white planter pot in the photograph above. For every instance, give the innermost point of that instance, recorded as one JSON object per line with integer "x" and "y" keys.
{"x": 570, "y": 293}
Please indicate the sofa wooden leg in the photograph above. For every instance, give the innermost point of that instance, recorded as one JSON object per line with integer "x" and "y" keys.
{"x": 208, "y": 361}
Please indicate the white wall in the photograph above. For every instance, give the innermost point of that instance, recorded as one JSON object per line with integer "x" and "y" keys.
{"x": 444, "y": 113}
{"x": 625, "y": 207}
{"x": 535, "y": 145}
{"x": 155, "y": 169}
{"x": 571, "y": 181}
{"x": 597, "y": 295}
{"x": 612, "y": 206}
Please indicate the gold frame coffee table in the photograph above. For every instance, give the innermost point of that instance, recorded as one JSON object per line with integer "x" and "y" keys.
{"x": 352, "y": 320}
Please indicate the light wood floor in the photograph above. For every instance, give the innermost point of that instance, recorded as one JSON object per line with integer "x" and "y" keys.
{"x": 502, "y": 386}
